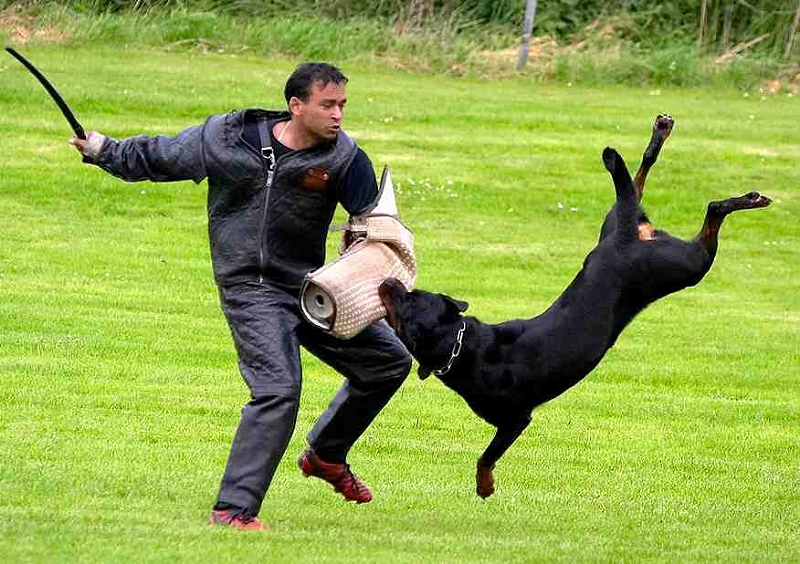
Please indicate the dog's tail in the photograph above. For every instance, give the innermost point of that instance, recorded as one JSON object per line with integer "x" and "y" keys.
{"x": 627, "y": 206}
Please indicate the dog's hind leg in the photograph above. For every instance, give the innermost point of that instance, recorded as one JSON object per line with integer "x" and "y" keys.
{"x": 661, "y": 131}
{"x": 504, "y": 437}
{"x": 716, "y": 213}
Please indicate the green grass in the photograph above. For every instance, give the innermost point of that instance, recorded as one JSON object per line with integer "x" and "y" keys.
{"x": 119, "y": 393}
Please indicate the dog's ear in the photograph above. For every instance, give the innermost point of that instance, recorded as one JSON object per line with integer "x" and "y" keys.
{"x": 423, "y": 372}
{"x": 460, "y": 306}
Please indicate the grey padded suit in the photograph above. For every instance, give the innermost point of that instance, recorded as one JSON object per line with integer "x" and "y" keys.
{"x": 263, "y": 242}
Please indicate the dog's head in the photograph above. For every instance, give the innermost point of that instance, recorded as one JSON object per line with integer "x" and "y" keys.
{"x": 423, "y": 321}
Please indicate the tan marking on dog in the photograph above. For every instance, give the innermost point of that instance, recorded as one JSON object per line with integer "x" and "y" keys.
{"x": 646, "y": 232}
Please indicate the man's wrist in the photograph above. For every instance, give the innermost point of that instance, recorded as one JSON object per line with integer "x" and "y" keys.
{"x": 94, "y": 145}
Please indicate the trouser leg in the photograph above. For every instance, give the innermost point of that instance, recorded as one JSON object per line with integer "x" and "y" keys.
{"x": 375, "y": 364}
{"x": 263, "y": 325}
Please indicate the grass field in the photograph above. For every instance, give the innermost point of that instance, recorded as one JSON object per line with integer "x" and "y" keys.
{"x": 119, "y": 393}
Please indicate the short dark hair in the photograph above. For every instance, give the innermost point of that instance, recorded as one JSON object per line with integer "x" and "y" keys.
{"x": 305, "y": 75}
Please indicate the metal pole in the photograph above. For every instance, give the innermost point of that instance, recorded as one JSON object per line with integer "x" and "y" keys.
{"x": 527, "y": 29}
{"x": 726, "y": 26}
{"x": 793, "y": 31}
{"x": 703, "y": 14}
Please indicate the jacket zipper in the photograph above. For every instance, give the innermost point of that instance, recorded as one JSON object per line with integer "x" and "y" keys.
{"x": 269, "y": 168}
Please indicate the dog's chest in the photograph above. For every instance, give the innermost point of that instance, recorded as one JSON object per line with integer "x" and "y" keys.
{"x": 494, "y": 393}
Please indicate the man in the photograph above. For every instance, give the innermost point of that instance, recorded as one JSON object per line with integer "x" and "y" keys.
{"x": 274, "y": 180}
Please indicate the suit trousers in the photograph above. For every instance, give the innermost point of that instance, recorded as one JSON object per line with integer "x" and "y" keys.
{"x": 268, "y": 330}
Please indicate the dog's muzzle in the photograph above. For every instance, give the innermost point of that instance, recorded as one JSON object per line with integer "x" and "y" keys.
{"x": 342, "y": 296}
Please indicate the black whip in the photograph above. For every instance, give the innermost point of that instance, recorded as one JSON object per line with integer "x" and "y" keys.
{"x": 62, "y": 105}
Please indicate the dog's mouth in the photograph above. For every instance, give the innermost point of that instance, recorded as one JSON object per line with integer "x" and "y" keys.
{"x": 385, "y": 293}
{"x": 391, "y": 319}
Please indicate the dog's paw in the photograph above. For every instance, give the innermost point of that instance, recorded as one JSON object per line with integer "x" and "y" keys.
{"x": 758, "y": 200}
{"x": 484, "y": 480}
{"x": 664, "y": 123}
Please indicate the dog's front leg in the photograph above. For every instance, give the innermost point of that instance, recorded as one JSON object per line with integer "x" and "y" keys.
{"x": 504, "y": 437}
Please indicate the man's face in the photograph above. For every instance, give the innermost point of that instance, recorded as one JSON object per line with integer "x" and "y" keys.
{"x": 321, "y": 115}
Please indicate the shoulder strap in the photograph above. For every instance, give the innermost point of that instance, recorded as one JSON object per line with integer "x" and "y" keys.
{"x": 263, "y": 133}
{"x": 266, "y": 146}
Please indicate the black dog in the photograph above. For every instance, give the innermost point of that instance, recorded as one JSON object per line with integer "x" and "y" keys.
{"x": 504, "y": 371}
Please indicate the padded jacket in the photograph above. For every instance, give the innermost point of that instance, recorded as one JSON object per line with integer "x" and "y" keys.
{"x": 267, "y": 220}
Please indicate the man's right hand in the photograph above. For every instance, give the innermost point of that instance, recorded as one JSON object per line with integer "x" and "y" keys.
{"x": 91, "y": 146}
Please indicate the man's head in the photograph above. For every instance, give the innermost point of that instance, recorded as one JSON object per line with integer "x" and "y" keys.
{"x": 315, "y": 94}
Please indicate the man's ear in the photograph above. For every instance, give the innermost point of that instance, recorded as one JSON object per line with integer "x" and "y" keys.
{"x": 423, "y": 372}
{"x": 295, "y": 105}
{"x": 461, "y": 306}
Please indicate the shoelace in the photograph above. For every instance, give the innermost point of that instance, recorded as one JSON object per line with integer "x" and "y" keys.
{"x": 246, "y": 517}
{"x": 243, "y": 515}
{"x": 343, "y": 481}
{"x": 352, "y": 480}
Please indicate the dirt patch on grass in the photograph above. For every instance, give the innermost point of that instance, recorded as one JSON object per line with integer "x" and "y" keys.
{"x": 22, "y": 29}
{"x": 542, "y": 52}
{"x": 784, "y": 84}
{"x": 604, "y": 36}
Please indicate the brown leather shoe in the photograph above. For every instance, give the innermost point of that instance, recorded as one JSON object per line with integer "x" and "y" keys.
{"x": 338, "y": 475}
{"x": 238, "y": 518}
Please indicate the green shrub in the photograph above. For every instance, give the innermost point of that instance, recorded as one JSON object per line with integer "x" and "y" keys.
{"x": 675, "y": 66}
{"x": 182, "y": 25}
